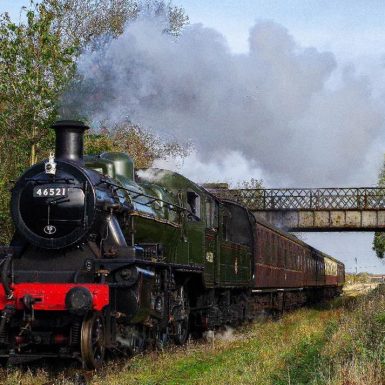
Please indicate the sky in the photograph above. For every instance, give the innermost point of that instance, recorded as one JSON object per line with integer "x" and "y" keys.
{"x": 348, "y": 28}
{"x": 351, "y": 30}
{"x": 12, "y": 7}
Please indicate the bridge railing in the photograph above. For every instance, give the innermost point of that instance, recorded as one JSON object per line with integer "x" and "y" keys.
{"x": 364, "y": 198}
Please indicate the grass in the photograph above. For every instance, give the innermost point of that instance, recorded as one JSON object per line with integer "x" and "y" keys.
{"x": 342, "y": 343}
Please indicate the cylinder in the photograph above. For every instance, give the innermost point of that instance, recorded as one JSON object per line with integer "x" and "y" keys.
{"x": 69, "y": 140}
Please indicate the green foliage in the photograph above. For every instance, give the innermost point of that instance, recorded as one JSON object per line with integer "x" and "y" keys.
{"x": 379, "y": 237}
{"x": 379, "y": 244}
{"x": 34, "y": 68}
{"x": 355, "y": 353}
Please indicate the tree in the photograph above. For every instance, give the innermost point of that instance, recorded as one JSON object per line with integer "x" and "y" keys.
{"x": 175, "y": 17}
{"x": 142, "y": 145}
{"x": 83, "y": 22}
{"x": 80, "y": 22}
{"x": 251, "y": 184}
{"x": 35, "y": 66}
{"x": 379, "y": 237}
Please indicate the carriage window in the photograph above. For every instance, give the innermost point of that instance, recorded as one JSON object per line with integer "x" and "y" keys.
{"x": 194, "y": 203}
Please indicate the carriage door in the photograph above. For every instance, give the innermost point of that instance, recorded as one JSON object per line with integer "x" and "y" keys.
{"x": 211, "y": 239}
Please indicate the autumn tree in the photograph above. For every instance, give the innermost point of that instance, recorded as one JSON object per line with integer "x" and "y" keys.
{"x": 142, "y": 145}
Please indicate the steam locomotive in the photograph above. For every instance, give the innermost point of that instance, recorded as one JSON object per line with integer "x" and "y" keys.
{"x": 104, "y": 259}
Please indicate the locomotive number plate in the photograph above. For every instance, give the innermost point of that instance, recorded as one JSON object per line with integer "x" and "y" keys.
{"x": 44, "y": 192}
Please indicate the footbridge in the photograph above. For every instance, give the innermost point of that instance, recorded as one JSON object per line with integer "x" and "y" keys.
{"x": 313, "y": 209}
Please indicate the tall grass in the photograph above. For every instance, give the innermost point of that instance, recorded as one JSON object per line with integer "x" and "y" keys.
{"x": 355, "y": 352}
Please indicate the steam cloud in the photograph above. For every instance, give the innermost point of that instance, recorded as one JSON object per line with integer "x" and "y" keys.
{"x": 277, "y": 111}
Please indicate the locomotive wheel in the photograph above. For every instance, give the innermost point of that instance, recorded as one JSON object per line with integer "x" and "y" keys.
{"x": 181, "y": 331}
{"x": 181, "y": 315}
{"x": 92, "y": 342}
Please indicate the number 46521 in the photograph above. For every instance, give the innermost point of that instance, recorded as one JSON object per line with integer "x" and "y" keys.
{"x": 50, "y": 192}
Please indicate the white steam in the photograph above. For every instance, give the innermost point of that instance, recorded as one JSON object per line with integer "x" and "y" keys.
{"x": 152, "y": 175}
{"x": 267, "y": 113}
{"x": 232, "y": 168}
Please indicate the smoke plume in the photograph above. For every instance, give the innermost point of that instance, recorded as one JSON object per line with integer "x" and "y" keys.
{"x": 277, "y": 111}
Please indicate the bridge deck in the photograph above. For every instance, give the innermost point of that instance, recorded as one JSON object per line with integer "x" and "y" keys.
{"x": 318, "y": 209}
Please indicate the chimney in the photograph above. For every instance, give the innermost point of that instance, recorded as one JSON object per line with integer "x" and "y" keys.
{"x": 69, "y": 140}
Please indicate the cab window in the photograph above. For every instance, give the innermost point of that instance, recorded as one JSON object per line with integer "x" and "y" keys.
{"x": 194, "y": 204}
